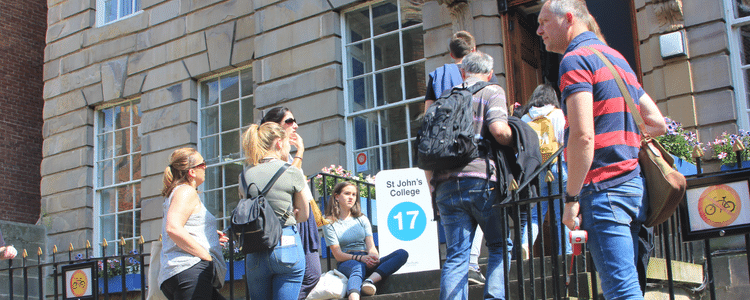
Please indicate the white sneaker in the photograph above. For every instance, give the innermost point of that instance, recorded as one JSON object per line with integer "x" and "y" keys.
{"x": 368, "y": 288}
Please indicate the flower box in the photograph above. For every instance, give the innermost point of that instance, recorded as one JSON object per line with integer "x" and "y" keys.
{"x": 239, "y": 269}
{"x": 114, "y": 284}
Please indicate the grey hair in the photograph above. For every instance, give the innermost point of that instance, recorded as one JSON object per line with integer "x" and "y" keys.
{"x": 576, "y": 7}
{"x": 477, "y": 63}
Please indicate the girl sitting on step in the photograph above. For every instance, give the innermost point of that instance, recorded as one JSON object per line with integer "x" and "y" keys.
{"x": 349, "y": 237}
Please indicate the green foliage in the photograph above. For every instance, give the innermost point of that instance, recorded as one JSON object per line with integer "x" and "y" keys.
{"x": 678, "y": 141}
{"x": 723, "y": 147}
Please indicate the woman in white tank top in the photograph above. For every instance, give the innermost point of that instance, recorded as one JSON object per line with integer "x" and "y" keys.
{"x": 192, "y": 265}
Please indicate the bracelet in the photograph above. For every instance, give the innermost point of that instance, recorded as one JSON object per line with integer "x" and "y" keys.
{"x": 571, "y": 199}
{"x": 300, "y": 157}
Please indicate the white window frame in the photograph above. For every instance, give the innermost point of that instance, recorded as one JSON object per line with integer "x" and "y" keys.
{"x": 349, "y": 115}
{"x": 100, "y": 12}
{"x": 98, "y": 187}
{"x": 737, "y": 69}
{"x": 238, "y": 160}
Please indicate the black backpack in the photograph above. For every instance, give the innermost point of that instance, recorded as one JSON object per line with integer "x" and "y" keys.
{"x": 254, "y": 223}
{"x": 447, "y": 139}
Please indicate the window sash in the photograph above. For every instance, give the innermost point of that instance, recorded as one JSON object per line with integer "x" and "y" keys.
{"x": 371, "y": 98}
{"x": 217, "y": 99}
{"x": 117, "y": 200}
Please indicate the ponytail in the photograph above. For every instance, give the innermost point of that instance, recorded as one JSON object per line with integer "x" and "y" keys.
{"x": 258, "y": 141}
{"x": 176, "y": 172}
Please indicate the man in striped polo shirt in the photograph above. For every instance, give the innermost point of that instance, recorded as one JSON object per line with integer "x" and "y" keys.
{"x": 605, "y": 188}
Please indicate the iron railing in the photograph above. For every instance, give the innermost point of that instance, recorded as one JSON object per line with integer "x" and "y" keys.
{"x": 542, "y": 276}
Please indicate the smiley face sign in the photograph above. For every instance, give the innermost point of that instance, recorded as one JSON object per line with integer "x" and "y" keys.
{"x": 719, "y": 205}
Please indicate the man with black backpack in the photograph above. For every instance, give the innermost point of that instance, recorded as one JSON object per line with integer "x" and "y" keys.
{"x": 463, "y": 194}
{"x": 441, "y": 80}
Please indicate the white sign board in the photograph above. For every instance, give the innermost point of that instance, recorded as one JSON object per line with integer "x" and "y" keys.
{"x": 718, "y": 206}
{"x": 406, "y": 218}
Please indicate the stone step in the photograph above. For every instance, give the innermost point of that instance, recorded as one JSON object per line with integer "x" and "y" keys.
{"x": 682, "y": 272}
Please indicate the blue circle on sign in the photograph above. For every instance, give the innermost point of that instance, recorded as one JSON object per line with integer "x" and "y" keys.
{"x": 407, "y": 221}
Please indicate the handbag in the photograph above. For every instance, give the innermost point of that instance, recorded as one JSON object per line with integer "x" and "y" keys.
{"x": 319, "y": 220}
{"x": 254, "y": 222}
{"x": 332, "y": 285}
{"x": 665, "y": 185}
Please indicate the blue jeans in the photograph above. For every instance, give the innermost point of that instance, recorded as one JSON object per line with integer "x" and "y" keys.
{"x": 356, "y": 271}
{"x": 536, "y": 219}
{"x": 613, "y": 218}
{"x": 276, "y": 274}
{"x": 465, "y": 203}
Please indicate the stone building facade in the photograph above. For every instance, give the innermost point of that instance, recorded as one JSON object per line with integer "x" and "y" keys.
{"x": 127, "y": 82}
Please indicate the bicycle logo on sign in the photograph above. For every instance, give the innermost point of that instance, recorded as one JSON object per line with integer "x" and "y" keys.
{"x": 727, "y": 205}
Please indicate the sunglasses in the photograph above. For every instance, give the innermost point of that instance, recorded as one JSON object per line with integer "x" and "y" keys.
{"x": 290, "y": 121}
{"x": 200, "y": 165}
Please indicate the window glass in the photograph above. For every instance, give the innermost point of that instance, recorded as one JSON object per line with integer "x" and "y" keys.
{"x": 118, "y": 173}
{"x": 226, "y": 109}
{"x": 109, "y": 11}
{"x": 384, "y": 81}
{"x": 741, "y": 8}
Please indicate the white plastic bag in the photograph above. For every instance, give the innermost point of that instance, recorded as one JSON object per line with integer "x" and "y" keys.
{"x": 332, "y": 285}
{"x": 154, "y": 292}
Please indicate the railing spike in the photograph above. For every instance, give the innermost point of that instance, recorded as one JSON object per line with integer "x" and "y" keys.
{"x": 25, "y": 254}
{"x": 104, "y": 243}
{"x": 549, "y": 177}
{"x": 160, "y": 237}
{"x": 54, "y": 249}
{"x": 39, "y": 252}
{"x": 70, "y": 247}
{"x": 738, "y": 146}
{"x": 122, "y": 241}
{"x": 140, "y": 240}
{"x": 513, "y": 185}
{"x": 697, "y": 151}
{"x": 88, "y": 244}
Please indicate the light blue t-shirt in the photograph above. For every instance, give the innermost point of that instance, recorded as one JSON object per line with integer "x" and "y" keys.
{"x": 349, "y": 233}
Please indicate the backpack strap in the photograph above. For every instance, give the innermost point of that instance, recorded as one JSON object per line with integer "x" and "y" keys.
{"x": 274, "y": 178}
{"x": 478, "y": 86}
{"x": 266, "y": 189}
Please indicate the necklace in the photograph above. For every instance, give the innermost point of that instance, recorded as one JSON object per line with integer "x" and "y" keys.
{"x": 267, "y": 159}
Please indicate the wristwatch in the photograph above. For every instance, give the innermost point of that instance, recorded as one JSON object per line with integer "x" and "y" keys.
{"x": 570, "y": 199}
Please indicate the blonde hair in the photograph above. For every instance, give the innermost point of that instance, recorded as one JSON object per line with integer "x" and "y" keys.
{"x": 176, "y": 172}
{"x": 258, "y": 140}
{"x": 333, "y": 211}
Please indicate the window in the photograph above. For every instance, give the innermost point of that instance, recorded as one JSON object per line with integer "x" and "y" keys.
{"x": 738, "y": 25}
{"x": 117, "y": 165}
{"x": 108, "y": 11}
{"x": 384, "y": 85}
{"x": 226, "y": 110}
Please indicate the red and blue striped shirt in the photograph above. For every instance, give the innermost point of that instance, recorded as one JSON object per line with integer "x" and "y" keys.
{"x": 617, "y": 138}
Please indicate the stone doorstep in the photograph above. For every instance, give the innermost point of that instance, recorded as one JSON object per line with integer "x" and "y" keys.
{"x": 682, "y": 272}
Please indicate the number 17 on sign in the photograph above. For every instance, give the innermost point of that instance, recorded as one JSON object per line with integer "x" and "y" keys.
{"x": 407, "y": 221}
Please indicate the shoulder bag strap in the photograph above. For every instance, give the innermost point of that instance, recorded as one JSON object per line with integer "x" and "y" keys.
{"x": 625, "y": 94}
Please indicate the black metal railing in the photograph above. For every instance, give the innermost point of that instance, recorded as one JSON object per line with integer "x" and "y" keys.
{"x": 128, "y": 268}
{"x": 549, "y": 274}
{"x": 50, "y": 269}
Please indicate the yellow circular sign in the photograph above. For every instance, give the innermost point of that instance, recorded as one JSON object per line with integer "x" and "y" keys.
{"x": 78, "y": 283}
{"x": 719, "y": 205}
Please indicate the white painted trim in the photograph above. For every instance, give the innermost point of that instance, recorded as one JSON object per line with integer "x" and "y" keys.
{"x": 736, "y": 68}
